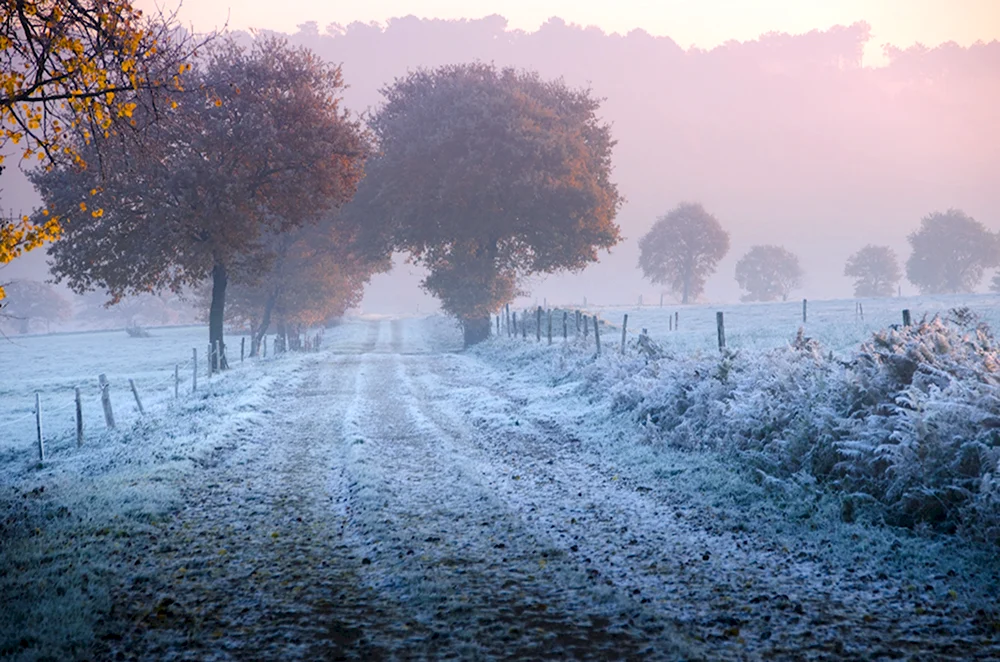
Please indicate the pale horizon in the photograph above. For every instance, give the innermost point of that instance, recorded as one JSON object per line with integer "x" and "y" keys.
{"x": 704, "y": 24}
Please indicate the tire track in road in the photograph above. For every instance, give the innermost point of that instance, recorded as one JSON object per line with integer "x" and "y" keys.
{"x": 255, "y": 566}
{"x": 470, "y": 573}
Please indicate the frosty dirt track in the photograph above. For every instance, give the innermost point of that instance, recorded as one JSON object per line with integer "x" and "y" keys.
{"x": 406, "y": 501}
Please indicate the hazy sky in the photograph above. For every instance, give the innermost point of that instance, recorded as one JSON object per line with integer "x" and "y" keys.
{"x": 703, "y": 23}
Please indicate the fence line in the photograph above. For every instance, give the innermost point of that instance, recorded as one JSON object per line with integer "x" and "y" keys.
{"x": 88, "y": 391}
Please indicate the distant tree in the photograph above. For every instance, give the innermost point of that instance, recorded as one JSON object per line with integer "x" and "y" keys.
{"x": 316, "y": 274}
{"x": 85, "y": 64}
{"x": 875, "y": 270}
{"x": 29, "y": 300}
{"x": 682, "y": 249}
{"x": 951, "y": 251}
{"x": 489, "y": 175}
{"x": 260, "y": 145}
{"x": 768, "y": 272}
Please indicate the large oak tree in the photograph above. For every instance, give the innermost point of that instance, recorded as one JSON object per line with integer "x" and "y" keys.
{"x": 487, "y": 175}
{"x": 682, "y": 249}
{"x": 258, "y": 146}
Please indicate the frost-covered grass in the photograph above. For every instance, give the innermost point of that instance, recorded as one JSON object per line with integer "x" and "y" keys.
{"x": 905, "y": 423}
{"x": 835, "y": 324}
{"x": 68, "y": 525}
{"x": 53, "y": 365}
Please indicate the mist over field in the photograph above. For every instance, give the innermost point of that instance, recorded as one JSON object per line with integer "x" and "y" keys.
{"x": 787, "y": 139}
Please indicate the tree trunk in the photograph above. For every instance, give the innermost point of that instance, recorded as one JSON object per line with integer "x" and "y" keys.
{"x": 282, "y": 337}
{"x": 265, "y": 322}
{"x": 216, "y": 314}
{"x": 476, "y": 330}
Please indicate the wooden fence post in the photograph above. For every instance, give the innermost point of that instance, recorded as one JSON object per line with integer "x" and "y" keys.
{"x": 38, "y": 426}
{"x": 565, "y": 325}
{"x": 538, "y": 325}
{"x": 670, "y": 322}
{"x": 194, "y": 371}
{"x": 585, "y": 327}
{"x": 135, "y": 393}
{"x": 79, "y": 417}
{"x": 804, "y": 317}
{"x": 263, "y": 344}
{"x": 211, "y": 359}
{"x": 177, "y": 380}
{"x": 243, "y": 346}
{"x": 524, "y": 326}
{"x": 109, "y": 416}
{"x": 577, "y": 322}
{"x": 597, "y": 335}
{"x": 624, "y": 328}
{"x": 721, "y": 328}
{"x": 677, "y": 320}
{"x": 861, "y": 309}
{"x": 513, "y": 323}
{"x": 550, "y": 327}
{"x": 906, "y": 317}
{"x": 507, "y": 318}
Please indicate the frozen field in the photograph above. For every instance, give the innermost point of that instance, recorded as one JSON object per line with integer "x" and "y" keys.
{"x": 835, "y": 324}
{"x": 53, "y": 365}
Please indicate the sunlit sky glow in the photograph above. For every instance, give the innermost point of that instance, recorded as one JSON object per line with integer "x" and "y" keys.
{"x": 702, "y": 23}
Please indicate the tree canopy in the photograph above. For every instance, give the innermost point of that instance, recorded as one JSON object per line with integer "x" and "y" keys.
{"x": 682, "y": 249}
{"x": 487, "y": 175}
{"x": 951, "y": 251}
{"x": 875, "y": 270}
{"x": 259, "y": 145}
{"x": 72, "y": 70}
{"x": 768, "y": 272}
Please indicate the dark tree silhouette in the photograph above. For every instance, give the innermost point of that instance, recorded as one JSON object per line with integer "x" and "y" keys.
{"x": 488, "y": 175}
{"x": 682, "y": 249}
{"x": 768, "y": 272}
{"x": 875, "y": 270}
{"x": 259, "y": 146}
{"x": 951, "y": 251}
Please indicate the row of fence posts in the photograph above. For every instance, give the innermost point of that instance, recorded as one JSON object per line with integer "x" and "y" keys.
{"x": 215, "y": 354}
{"x": 582, "y": 321}
{"x": 720, "y": 322}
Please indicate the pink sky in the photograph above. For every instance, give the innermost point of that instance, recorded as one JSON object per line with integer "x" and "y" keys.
{"x": 703, "y": 23}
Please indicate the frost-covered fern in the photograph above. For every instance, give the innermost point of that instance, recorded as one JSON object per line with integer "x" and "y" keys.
{"x": 912, "y": 419}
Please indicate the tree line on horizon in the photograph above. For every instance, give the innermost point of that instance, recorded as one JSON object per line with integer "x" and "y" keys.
{"x": 950, "y": 253}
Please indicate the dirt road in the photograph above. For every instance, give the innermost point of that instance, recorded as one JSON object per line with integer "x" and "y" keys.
{"x": 407, "y": 501}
